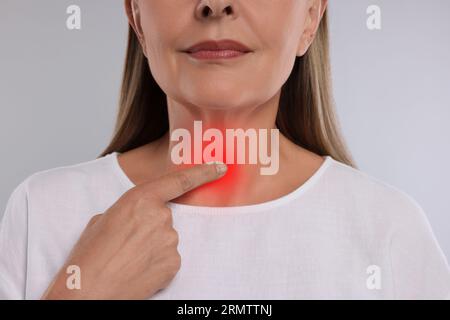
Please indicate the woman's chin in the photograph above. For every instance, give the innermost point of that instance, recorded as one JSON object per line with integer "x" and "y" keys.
{"x": 222, "y": 105}
{"x": 218, "y": 99}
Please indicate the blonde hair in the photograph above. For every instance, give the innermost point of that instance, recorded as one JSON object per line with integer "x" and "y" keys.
{"x": 306, "y": 113}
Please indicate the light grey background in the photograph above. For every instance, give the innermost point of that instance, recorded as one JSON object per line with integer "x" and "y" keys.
{"x": 59, "y": 91}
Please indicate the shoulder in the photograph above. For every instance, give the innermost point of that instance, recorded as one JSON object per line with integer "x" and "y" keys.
{"x": 74, "y": 177}
{"x": 53, "y": 190}
{"x": 392, "y": 217}
{"x": 369, "y": 195}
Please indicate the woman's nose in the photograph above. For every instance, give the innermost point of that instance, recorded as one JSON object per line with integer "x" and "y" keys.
{"x": 208, "y": 9}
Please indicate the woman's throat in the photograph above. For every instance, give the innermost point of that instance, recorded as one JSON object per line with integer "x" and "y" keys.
{"x": 235, "y": 147}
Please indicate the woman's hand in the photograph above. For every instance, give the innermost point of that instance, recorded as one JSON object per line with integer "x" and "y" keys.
{"x": 130, "y": 251}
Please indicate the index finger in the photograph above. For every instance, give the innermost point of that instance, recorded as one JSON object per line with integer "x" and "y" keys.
{"x": 175, "y": 184}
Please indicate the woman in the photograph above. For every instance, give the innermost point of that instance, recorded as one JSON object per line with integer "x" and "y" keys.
{"x": 318, "y": 228}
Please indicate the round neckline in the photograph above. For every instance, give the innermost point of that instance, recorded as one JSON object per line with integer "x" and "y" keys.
{"x": 263, "y": 206}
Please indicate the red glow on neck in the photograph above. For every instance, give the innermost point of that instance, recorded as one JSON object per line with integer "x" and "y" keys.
{"x": 224, "y": 186}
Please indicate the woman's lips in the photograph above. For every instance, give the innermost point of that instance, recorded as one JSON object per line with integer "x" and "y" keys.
{"x": 216, "y": 54}
{"x": 223, "y": 49}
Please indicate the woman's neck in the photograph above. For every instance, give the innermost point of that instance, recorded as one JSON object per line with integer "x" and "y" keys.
{"x": 245, "y": 182}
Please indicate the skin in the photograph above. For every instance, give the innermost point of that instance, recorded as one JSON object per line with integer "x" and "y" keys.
{"x": 130, "y": 251}
{"x": 229, "y": 94}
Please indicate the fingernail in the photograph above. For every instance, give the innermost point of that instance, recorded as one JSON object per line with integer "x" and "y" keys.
{"x": 220, "y": 166}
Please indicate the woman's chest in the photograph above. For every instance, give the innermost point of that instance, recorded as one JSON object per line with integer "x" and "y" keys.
{"x": 235, "y": 261}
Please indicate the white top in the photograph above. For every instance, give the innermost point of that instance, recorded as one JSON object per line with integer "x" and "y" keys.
{"x": 342, "y": 234}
